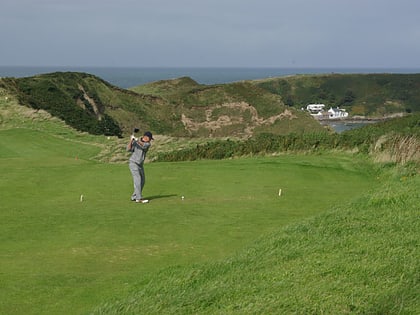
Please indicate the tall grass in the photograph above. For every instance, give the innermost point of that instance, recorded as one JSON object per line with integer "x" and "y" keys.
{"x": 397, "y": 149}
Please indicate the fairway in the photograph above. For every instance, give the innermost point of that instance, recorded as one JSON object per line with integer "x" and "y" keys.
{"x": 61, "y": 255}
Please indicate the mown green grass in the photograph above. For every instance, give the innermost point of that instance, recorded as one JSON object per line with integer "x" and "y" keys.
{"x": 60, "y": 255}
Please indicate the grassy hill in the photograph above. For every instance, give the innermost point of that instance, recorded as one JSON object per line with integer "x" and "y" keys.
{"x": 178, "y": 107}
{"x": 184, "y": 108}
{"x": 86, "y": 102}
{"x": 370, "y": 95}
{"x": 235, "y": 110}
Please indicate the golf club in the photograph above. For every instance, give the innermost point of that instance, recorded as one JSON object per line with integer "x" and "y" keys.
{"x": 135, "y": 130}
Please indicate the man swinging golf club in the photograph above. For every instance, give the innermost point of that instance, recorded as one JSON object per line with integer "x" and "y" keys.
{"x": 138, "y": 149}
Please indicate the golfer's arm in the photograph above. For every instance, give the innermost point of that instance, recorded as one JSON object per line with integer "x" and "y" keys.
{"x": 130, "y": 145}
{"x": 143, "y": 145}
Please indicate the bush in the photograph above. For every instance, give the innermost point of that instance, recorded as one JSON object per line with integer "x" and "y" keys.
{"x": 61, "y": 99}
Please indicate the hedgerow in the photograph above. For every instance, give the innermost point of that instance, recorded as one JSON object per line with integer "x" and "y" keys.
{"x": 362, "y": 140}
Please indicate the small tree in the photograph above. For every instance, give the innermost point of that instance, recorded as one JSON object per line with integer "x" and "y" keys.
{"x": 348, "y": 98}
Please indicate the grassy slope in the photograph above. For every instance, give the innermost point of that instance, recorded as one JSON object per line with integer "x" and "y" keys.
{"x": 60, "y": 255}
{"x": 81, "y": 99}
{"x": 360, "y": 258}
{"x": 64, "y": 94}
{"x": 181, "y": 107}
{"x": 188, "y": 93}
{"x": 192, "y": 100}
{"x": 361, "y": 94}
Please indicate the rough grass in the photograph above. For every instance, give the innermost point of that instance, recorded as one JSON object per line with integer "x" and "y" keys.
{"x": 397, "y": 149}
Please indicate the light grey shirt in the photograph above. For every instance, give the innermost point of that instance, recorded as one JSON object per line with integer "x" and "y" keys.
{"x": 138, "y": 152}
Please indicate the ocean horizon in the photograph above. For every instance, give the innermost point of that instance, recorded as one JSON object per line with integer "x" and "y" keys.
{"x": 126, "y": 77}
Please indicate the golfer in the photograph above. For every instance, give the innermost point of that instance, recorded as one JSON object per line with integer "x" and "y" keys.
{"x": 138, "y": 149}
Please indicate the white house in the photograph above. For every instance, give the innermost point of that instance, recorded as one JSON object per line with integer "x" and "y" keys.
{"x": 337, "y": 113}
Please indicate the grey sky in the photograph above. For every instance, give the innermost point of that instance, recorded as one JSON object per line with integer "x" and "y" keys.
{"x": 210, "y": 33}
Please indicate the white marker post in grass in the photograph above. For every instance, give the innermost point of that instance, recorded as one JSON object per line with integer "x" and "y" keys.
{"x": 81, "y": 198}
{"x": 280, "y": 192}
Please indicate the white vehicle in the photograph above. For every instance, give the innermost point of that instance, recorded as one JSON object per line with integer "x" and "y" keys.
{"x": 315, "y": 108}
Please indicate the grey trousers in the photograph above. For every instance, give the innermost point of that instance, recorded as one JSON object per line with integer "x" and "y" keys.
{"x": 139, "y": 179}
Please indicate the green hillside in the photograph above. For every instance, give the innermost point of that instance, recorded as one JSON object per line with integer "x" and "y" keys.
{"x": 371, "y": 95}
{"x": 86, "y": 102}
{"x": 237, "y": 110}
{"x": 184, "y": 108}
{"x": 179, "y": 107}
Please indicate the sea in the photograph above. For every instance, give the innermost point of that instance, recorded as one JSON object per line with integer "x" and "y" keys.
{"x": 127, "y": 77}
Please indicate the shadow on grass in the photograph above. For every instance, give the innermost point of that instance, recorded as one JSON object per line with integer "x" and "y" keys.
{"x": 161, "y": 196}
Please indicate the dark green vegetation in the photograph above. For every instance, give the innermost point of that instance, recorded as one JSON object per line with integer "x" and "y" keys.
{"x": 361, "y": 94}
{"x": 90, "y": 104}
{"x": 72, "y": 97}
{"x": 184, "y": 108}
{"x": 397, "y": 137}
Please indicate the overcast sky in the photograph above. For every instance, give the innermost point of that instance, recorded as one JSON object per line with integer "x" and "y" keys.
{"x": 211, "y": 33}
